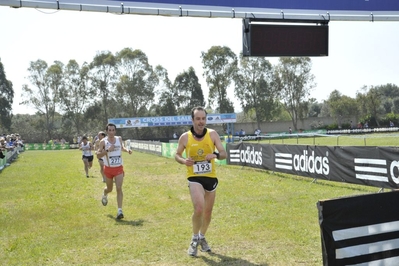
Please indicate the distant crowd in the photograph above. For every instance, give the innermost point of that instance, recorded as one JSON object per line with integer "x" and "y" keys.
{"x": 10, "y": 146}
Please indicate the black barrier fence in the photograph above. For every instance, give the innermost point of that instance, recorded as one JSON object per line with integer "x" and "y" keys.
{"x": 360, "y": 230}
{"x": 368, "y": 165}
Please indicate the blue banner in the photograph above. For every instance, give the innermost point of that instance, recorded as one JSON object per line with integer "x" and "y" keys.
{"x": 368, "y": 10}
{"x": 326, "y": 5}
{"x": 165, "y": 121}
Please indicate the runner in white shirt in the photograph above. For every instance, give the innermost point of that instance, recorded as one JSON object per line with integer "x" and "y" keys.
{"x": 87, "y": 157}
{"x": 110, "y": 150}
{"x": 100, "y": 136}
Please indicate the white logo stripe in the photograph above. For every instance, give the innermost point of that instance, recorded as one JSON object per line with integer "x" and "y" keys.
{"x": 371, "y": 169}
{"x": 372, "y": 177}
{"x": 367, "y": 230}
{"x": 366, "y": 249}
{"x": 235, "y": 156}
{"x": 282, "y": 166}
{"x": 370, "y": 161}
{"x": 392, "y": 261}
{"x": 284, "y": 155}
{"x": 283, "y": 161}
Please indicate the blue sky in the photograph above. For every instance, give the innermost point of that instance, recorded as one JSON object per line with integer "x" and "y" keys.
{"x": 360, "y": 53}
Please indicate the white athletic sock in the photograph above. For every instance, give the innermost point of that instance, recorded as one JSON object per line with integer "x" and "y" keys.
{"x": 201, "y": 236}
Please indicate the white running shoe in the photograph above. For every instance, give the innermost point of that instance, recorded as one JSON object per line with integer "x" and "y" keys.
{"x": 104, "y": 200}
{"x": 204, "y": 245}
{"x": 193, "y": 248}
{"x": 119, "y": 215}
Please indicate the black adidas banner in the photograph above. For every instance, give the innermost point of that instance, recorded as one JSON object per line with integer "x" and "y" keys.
{"x": 371, "y": 166}
{"x": 360, "y": 230}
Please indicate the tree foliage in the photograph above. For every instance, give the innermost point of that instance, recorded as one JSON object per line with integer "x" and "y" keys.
{"x": 188, "y": 92}
{"x": 370, "y": 102}
{"x": 294, "y": 81}
{"x": 254, "y": 87}
{"x": 220, "y": 66}
{"x": 75, "y": 96}
{"x": 74, "y": 100}
{"x": 44, "y": 95}
{"x": 103, "y": 73}
{"x": 136, "y": 83}
{"x": 341, "y": 106}
{"x": 6, "y": 99}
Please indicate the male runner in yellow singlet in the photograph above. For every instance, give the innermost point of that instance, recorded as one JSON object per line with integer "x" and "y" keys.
{"x": 200, "y": 143}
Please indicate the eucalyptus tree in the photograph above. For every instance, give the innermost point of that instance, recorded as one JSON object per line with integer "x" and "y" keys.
{"x": 167, "y": 102}
{"x": 314, "y": 108}
{"x": 370, "y": 102}
{"x": 389, "y": 92}
{"x": 44, "y": 94}
{"x": 341, "y": 107}
{"x": 295, "y": 82}
{"x": 220, "y": 67}
{"x": 93, "y": 116}
{"x": 387, "y": 105}
{"x": 325, "y": 109}
{"x": 29, "y": 127}
{"x": 103, "y": 74}
{"x": 188, "y": 92}
{"x": 254, "y": 87}
{"x": 75, "y": 96}
{"x": 137, "y": 81}
{"x": 6, "y": 99}
{"x": 395, "y": 107}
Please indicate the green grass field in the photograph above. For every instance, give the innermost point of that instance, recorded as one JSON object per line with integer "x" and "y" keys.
{"x": 51, "y": 214}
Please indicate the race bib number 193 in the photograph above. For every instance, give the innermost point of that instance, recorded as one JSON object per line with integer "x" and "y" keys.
{"x": 202, "y": 167}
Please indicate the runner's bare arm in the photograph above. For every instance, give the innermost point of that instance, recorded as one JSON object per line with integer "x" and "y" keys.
{"x": 180, "y": 149}
{"x": 101, "y": 150}
{"x": 123, "y": 146}
{"x": 216, "y": 140}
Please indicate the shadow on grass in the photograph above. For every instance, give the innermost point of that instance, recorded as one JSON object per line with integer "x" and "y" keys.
{"x": 225, "y": 260}
{"x": 139, "y": 222}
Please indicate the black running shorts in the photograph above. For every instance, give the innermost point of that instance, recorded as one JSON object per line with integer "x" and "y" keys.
{"x": 208, "y": 183}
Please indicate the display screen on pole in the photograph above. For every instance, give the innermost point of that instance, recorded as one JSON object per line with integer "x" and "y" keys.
{"x": 286, "y": 40}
